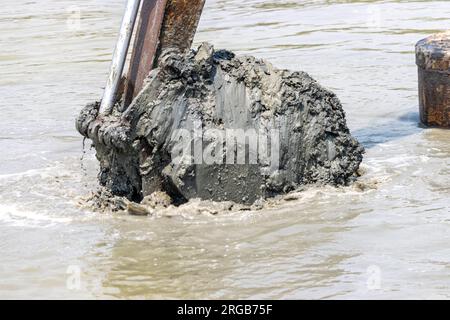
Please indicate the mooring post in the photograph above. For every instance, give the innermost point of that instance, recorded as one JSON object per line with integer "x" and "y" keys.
{"x": 162, "y": 24}
{"x": 119, "y": 57}
{"x": 433, "y": 61}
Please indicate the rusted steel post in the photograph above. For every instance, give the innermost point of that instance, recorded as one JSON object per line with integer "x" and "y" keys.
{"x": 163, "y": 24}
{"x": 119, "y": 57}
{"x": 433, "y": 61}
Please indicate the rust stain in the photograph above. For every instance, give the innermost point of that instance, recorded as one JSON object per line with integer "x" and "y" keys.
{"x": 180, "y": 23}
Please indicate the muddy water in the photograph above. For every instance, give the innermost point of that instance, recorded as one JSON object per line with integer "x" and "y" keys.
{"x": 387, "y": 237}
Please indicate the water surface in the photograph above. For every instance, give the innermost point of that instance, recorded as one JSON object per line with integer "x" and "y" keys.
{"x": 387, "y": 238}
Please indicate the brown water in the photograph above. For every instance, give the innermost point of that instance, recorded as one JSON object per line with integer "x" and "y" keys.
{"x": 388, "y": 238}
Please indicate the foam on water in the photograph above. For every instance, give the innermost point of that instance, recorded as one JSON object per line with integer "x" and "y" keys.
{"x": 15, "y": 216}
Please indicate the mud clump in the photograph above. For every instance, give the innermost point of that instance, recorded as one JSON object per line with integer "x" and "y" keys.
{"x": 215, "y": 126}
{"x": 103, "y": 201}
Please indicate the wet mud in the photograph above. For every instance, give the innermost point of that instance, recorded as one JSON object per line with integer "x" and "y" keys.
{"x": 215, "y": 126}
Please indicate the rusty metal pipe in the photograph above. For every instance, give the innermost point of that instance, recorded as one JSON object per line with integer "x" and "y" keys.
{"x": 119, "y": 57}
